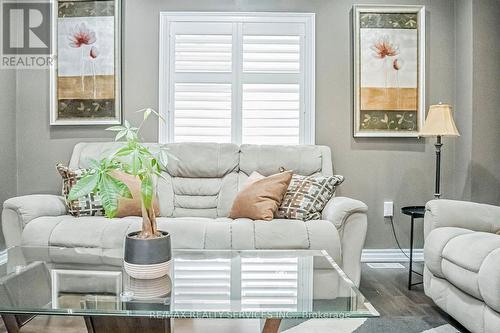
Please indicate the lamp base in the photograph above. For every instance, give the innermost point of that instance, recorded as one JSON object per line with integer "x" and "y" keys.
{"x": 438, "y": 145}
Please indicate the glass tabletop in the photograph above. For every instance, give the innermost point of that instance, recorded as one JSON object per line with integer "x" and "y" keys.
{"x": 201, "y": 284}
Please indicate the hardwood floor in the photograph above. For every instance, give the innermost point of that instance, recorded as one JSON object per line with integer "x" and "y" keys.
{"x": 386, "y": 290}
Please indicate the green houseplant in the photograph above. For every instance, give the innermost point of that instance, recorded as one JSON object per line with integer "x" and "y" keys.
{"x": 148, "y": 247}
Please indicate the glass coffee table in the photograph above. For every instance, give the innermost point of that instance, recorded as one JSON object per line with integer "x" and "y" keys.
{"x": 272, "y": 285}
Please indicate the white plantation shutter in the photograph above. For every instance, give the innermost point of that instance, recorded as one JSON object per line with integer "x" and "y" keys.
{"x": 269, "y": 284}
{"x": 277, "y": 284}
{"x": 237, "y": 77}
{"x": 202, "y": 285}
{"x": 271, "y": 54}
{"x": 271, "y": 113}
{"x": 202, "y": 112}
{"x": 203, "y": 53}
{"x": 239, "y": 283}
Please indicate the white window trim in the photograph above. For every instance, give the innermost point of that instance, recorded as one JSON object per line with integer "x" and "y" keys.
{"x": 166, "y": 129}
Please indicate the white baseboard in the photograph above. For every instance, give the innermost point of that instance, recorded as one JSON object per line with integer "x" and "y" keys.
{"x": 390, "y": 255}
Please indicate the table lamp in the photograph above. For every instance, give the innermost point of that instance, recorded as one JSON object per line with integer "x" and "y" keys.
{"x": 439, "y": 123}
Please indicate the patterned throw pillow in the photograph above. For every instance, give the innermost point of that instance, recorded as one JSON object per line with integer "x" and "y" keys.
{"x": 89, "y": 205}
{"x": 307, "y": 196}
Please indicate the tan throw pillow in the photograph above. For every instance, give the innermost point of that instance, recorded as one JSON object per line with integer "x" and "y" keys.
{"x": 498, "y": 232}
{"x": 131, "y": 206}
{"x": 261, "y": 199}
{"x": 307, "y": 196}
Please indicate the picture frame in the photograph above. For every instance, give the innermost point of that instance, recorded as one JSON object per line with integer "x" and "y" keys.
{"x": 85, "y": 80}
{"x": 389, "y": 70}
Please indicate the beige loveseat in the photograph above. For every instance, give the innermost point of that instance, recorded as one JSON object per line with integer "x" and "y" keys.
{"x": 462, "y": 262}
{"x": 194, "y": 202}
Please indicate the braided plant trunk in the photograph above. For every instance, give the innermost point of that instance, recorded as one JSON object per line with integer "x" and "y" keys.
{"x": 149, "y": 225}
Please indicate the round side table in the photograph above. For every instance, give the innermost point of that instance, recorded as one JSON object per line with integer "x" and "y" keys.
{"x": 415, "y": 212}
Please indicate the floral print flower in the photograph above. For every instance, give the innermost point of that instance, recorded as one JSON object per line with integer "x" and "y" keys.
{"x": 81, "y": 35}
{"x": 383, "y": 48}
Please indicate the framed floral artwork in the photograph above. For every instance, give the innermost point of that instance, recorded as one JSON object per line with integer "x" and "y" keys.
{"x": 389, "y": 70}
{"x": 86, "y": 78}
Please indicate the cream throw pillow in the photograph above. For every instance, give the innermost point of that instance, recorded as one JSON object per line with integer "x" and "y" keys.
{"x": 260, "y": 199}
{"x": 254, "y": 176}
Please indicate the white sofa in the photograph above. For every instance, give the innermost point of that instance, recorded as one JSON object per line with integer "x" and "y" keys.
{"x": 462, "y": 262}
{"x": 195, "y": 200}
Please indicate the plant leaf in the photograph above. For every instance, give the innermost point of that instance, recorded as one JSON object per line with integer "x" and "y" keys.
{"x": 111, "y": 190}
{"x": 147, "y": 191}
{"x": 94, "y": 164}
{"x": 115, "y": 128}
{"x": 120, "y": 187}
{"x": 120, "y": 135}
{"x": 130, "y": 135}
{"x": 147, "y": 113}
{"x": 124, "y": 151}
{"x": 159, "y": 174}
{"x": 163, "y": 158}
{"x": 109, "y": 199}
{"x": 158, "y": 115}
{"x": 84, "y": 186}
{"x": 135, "y": 161}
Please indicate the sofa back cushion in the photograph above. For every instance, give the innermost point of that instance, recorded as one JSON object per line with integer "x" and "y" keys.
{"x": 205, "y": 179}
{"x": 305, "y": 160}
{"x": 201, "y": 182}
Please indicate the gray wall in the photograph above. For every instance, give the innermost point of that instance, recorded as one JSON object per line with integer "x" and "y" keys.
{"x": 401, "y": 170}
{"x": 463, "y": 100}
{"x": 8, "y": 187}
{"x": 486, "y": 102}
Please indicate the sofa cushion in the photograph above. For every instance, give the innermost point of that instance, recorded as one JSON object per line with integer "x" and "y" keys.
{"x": 38, "y": 233}
{"x": 268, "y": 159}
{"x": 470, "y": 250}
{"x": 203, "y": 160}
{"x": 489, "y": 279}
{"x": 102, "y": 233}
{"x": 201, "y": 182}
{"x": 434, "y": 246}
{"x": 469, "y": 260}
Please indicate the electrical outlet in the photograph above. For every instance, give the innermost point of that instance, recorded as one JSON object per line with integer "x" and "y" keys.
{"x": 388, "y": 208}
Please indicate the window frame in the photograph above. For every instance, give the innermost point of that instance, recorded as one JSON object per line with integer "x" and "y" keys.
{"x": 166, "y": 82}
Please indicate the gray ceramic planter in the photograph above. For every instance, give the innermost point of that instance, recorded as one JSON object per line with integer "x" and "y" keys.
{"x": 147, "y": 258}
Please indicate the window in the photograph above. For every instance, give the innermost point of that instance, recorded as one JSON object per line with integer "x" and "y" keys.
{"x": 237, "y": 77}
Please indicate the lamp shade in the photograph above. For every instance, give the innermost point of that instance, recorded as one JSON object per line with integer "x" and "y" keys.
{"x": 439, "y": 122}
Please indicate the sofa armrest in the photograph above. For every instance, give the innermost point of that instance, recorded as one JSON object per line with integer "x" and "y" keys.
{"x": 461, "y": 214}
{"x": 19, "y": 211}
{"x": 349, "y": 217}
{"x": 338, "y": 210}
